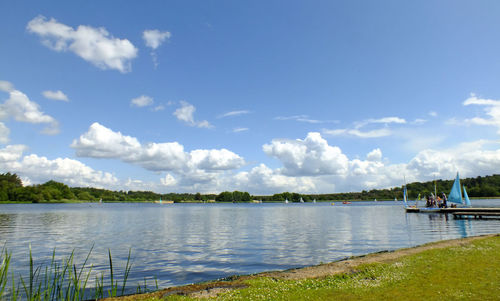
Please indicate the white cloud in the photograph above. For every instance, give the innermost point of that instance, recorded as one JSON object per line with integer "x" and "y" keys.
{"x": 433, "y": 114}
{"x": 168, "y": 180}
{"x": 358, "y": 131}
{"x": 20, "y": 108}
{"x": 234, "y": 113}
{"x": 419, "y": 121}
{"x": 11, "y": 153}
{"x": 385, "y": 120}
{"x": 94, "y": 45}
{"x": 238, "y": 130}
{"x": 102, "y": 142}
{"x": 306, "y": 168}
{"x": 360, "y": 134}
{"x": 304, "y": 118}
{"x": 492, "y": 110}
{"x": 55, "y": 95}
{"x": 154, "y": 38}
{"x": 141, "y": 101}
{"x": 4, "y": 133}
{"x": 374, "y": 155}
{"x": 263, "y": 180}
{"x": 6, "y": 86}
{"x": 36, "y": 169}
{"x": 185, "y": 113}
{"x": 159, "y": 108}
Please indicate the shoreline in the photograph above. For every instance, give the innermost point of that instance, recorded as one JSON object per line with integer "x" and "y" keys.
{"x": 348, "y": 265}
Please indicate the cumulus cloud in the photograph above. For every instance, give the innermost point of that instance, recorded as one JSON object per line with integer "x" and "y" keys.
{"x": 102, "y": 142}
{"x": 37, "y": 169}
{"x": 186, "y": 113}
{"x": 374, "y": 155}
{"x": 311, "y": 156}
{"x": 264, "y": 180}
{"x": 20, "y": 108}
{"x": 358, "y": 130}
{"x": 141, "y": 101}
{"x": 95, "y": 45}
{"x": 168, "y": 180}
{"x": 55, "y": 95}
{"x": 313, "y": 166}
{"x": 492, "y": 110}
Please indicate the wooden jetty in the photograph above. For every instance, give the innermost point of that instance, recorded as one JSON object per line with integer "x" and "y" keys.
{"x": 476, "y": 212}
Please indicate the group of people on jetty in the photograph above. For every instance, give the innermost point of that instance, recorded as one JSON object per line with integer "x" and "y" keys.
{"x": 436, "y": 201}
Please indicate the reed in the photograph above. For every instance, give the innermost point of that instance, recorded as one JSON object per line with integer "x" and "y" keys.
{"x": 61, "y": 281}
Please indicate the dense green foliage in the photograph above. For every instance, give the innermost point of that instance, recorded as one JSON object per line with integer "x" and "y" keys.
{"x": 12, "y": 190}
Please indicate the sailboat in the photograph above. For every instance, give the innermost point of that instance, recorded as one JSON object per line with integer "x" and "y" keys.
{"x": 286, "y": 201}
{"x": 455, "y": 195}
{"x": 301, "y": 200}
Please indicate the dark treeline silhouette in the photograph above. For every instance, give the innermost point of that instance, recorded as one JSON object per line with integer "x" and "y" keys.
{"x": 12, "y": 190}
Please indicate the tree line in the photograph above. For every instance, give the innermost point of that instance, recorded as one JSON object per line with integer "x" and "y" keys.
{"x": 12, "y": 190}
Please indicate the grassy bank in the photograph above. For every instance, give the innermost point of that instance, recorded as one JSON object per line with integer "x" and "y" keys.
{"x": 466, "y": 269}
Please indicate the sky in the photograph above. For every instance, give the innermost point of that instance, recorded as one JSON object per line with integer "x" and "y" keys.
{"x": 258, "y": 96}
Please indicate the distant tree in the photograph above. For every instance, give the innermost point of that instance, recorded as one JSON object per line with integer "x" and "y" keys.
{"x": 85, "y": 196}
{"x": 11, "y": 178}
{"x": 225, "y": 196}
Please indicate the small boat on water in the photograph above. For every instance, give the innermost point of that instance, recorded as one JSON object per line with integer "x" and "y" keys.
{"x": 346, "y": 202}
{"x": 286, "y": 201}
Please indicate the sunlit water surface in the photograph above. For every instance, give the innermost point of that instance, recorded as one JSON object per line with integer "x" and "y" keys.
{"x": 186, "y": 243}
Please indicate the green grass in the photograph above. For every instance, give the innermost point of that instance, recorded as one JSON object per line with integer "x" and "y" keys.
{"x": 469, "y": 272}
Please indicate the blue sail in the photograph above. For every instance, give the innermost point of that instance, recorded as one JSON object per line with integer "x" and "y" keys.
{"x": 404, "y": 196}
{"x": 466, "y": 197}
{"x": 455, "y": 195}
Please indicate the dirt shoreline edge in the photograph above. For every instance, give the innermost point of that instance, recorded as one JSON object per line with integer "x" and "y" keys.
{"x": 346, "y": 265}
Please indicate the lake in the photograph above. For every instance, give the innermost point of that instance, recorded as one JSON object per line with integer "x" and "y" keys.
{"x": 186, "y": 243}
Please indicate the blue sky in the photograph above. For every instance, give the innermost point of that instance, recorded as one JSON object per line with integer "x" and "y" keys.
{"x": 259, "y": 96}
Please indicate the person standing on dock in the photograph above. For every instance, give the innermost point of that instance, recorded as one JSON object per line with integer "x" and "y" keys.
{"x": 444, "y": 201}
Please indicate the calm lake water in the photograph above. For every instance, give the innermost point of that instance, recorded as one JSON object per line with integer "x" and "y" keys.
{"x": 186, "y": 243}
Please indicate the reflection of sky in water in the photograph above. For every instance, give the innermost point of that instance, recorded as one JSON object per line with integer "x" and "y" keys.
{"x": 185, "y": 243}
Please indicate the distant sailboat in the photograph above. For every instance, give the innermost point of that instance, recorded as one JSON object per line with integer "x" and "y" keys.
{"x": 314, "y": 201}
{"x": 455, "y": 195}
{"x": 395, "y": 199}
{"x": 301, "y": 200}
{"x": 286, "y": 201}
